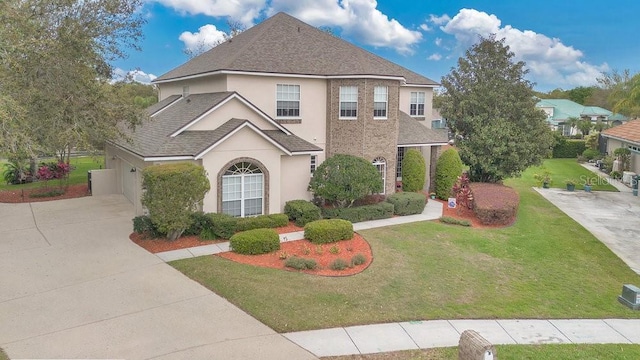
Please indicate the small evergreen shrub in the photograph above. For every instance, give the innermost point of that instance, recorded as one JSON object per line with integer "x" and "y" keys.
{"x": 302, "y": 212}
{"x": 358, "y": 259}
{"x": 495, "y": 204}
{"x": 254, "y": 242}
{"x": 590, "y": 154}
{"x": 144, "y": 225}
{"x": 339, "y": 264}
{"x": 383, "y": 210}
{"x": 299, "y": 263}
{"x": 407, "y": 203}
{"x": 414, "y": 171}
{"x": 262, "y": 222}
{"x": 328, "y": 231}
{"x": 569, "y": 149}
{"x": 454, "y": 221}
{"x": 448, "y": 168}
{"x": 223, "y": 226}
{"x": 199, "y": 222}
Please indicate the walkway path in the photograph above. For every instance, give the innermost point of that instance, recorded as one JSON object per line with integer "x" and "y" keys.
{"x": 446, "y": 333}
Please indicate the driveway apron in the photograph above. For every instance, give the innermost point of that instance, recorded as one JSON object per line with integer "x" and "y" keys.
{"x": 74, "y": 286}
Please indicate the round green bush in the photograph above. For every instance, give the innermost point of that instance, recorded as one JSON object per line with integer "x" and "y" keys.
{"x": 590, "y": 154}
{"x": 328, "y": 231}
{"x": 448, "y": 168}
{"x": 254, "y": 242}
{"x": 302, "y": 212}
{"x": 413, "y": 171}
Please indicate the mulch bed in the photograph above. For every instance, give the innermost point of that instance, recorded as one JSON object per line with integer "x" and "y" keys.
{"x": 22, "y": 196}
{"x": 464, "y": 213}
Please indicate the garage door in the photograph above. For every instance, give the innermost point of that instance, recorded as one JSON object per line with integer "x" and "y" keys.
{"x": 128, "y": 181}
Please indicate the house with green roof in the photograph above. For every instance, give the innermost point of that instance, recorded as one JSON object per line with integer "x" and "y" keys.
{"x": 561, "y": 111}
{"x": 262, "y": 110}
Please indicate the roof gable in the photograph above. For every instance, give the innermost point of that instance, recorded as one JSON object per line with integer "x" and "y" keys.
{"x": 283, "y": 44}
{"x": 412, "y": 133}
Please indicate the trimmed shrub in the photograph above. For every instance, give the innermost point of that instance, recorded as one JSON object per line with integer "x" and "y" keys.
{"x": 339, "y": 264}
{"x": 223, "y": 226}
{"x": 172, "y": 192}
{"x": 407, "y": 203}
{"x": 448, "y": 168}
{"x": 299, "y": 263}
{"x": 413, "y": 171}
{"x": 262, "y": 222}
{"x": 494, "y": 204}
{"x": 144, "y": 225}
{"x": 341, "y": 179}
{"x": 454, "y": 221}
{"x": 255, "y": 242}
{"x": 302, "y": 212}
{"x": 358, "y": 259}
{"x": 590, "y": 154}
{"x": 383, "y": 210}
{"x": 569, "y": 149}
{"x": 199, "y": 222}
{"x": 328, "y": 231}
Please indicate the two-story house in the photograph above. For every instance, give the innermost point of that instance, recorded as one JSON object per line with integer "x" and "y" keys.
{"x": 261, "y": 111}
{"x": 561, "y": 111}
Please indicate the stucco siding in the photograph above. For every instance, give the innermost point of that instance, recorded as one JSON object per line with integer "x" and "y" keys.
{"x": 232, "y": 109}
{"x": 405, "y": 102}
{"x": 120, "y": 161}
{"x": 295, "y": 177}
{"x": 245, "y": 144}
{"x": 208, "y": 84}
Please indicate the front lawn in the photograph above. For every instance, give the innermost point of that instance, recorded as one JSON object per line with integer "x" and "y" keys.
{"x": 563, "y": 169}
{"x": 81, "y": 165}
{"x": 544, "y": 266}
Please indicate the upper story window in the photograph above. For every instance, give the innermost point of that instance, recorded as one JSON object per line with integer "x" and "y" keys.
{"x": 314, "y": 163}
{"x": 417, "y": 103}
{"x": 288, "y": 100}
{"x": 380, "y": 99}
{"x": 348, "y": 101}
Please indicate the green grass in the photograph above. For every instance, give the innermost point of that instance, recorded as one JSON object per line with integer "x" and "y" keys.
{"x": 516, "y": 352}
{"x": 563, "y": 169}
{"x": 77, "y": 176}
{"x": 430, "y": 270}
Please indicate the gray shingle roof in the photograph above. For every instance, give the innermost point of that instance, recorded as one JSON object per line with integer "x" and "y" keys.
{"x": 411, "y": 132}
{"x": 284, "y": 44}
{"x": 152, "y": 138}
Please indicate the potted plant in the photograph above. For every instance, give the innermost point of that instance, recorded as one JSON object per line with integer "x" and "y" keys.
{"x": 571, "y": 184}
{"x": 544, "y": 179}
{"x": 432, "y": 195}
{"x": 587, "y": 185}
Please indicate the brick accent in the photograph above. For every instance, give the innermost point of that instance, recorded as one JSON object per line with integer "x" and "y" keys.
{"x": 265, "y": 178}
{"x": 364, "y": 136}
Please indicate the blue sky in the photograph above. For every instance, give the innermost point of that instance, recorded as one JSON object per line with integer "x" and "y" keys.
{"x": 565, "y": 43}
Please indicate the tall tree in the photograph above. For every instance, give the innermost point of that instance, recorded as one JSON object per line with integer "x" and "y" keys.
{"x": 54, "y": 65}
{"x": 626, "y": 97}
{"x": 491, "y": 109}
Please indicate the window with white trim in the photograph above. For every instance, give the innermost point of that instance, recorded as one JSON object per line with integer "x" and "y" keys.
{"x": 400, "y": 157}
{"x": 380, "y": 99}
{"x": 381, "y": 165}
{"x": 314, "y": 162}
{"x": 242, "y": 190}
{"x": 348, "y": 102}
{"x": 287, "y": 100}
{"x": 417, "y": 103}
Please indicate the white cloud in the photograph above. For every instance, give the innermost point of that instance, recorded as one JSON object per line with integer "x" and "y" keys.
{"x": 438, "y": 41}
{"x": 425, "y": 27}
{"x": 207, "y": 37}
{"x": 244, "y": 11}
{"x": 439, "y": 20}
{"x": 359, "y": 19}
{"x": 135, "y": 75}
{"x": 548, "y": 59}
{"x": 435, "y": 57}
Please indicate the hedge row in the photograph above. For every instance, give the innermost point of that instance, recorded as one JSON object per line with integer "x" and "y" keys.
{"x": 494, "y": 204}
{"x": 255, "y": 242}
{"x": 569, "y": 149}
{"x": 383, "y": 210}
{"x": 407, "y": 203}
{"x": 328, "y": 231}
{"x": 302, "y": 212}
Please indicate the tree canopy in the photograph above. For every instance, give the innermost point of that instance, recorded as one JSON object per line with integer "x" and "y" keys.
{"x": 55, "y": 73}
{"x": 490, "y": 107}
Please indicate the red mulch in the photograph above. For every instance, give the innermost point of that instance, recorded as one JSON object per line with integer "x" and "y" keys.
{"x": 464, "y": 213}
{"x": 319, "y": 253}
{"x": 22, "y": 196}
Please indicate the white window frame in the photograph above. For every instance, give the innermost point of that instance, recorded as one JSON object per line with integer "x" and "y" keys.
{"x": 380, "y": 99}
{"x": 244, "y": 172}
{"x": 348, "y": 95}
{"x": 287, "y": 93}
{"x": 415, "y": 100}
{"x": 313, "y": 163}
{"x": 399, "y": 157}
{"x": 381, "y": 165}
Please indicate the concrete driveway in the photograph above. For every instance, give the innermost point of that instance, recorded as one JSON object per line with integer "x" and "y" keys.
{"x": 72, "y": 285}
{"x": 614, "y": 218}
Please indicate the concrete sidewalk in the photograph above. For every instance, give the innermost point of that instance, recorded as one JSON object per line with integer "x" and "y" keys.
{"x": 446, "y": 333}
{"x": 432, "y": 211}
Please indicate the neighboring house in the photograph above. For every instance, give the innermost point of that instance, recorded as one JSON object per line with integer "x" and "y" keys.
{"x": 559, "y": 111}
{"x": 625, "y": 136}
{"x": 262, "y": 110}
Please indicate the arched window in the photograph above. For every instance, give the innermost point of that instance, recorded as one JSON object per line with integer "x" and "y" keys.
{"x": 243, "y": 190}
{"x": 381, "y": 165}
